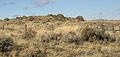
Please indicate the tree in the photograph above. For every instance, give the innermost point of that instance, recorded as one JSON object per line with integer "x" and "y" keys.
{"x": 6, "y": 19}
{"x": 80, "y": 18}
{"x": 50, "y": 14}
{"x": 60, "y": 16}
{"x": 24, "y": 17}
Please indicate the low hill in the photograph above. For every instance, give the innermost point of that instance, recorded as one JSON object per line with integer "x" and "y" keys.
{"x": 58, "y": 36}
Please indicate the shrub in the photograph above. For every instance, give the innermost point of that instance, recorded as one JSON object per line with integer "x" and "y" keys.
{"x": 19, "y": 18}
{"x": 31, "y": 18}
{"x": 6, "y": 44}
{"x": 71, "y": 37}
{"x": 60, "y": 16}
{"x": 24, "y": 17}
{"x": 30, "y": 33}
{"x": 92, "y": 35}
{"x": 50, "y": 15}
{"x": 6, "y": 19}
{"x": 37, "y": 53}
{"x": 51, "y": 38}
{"x": 80, "y": 18}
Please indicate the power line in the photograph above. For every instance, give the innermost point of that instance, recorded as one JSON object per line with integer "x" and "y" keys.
{"x": 100, "y": 15}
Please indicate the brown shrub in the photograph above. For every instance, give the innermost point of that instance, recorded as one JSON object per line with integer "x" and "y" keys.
{"x": 71, "y": 37}
{"x": 37, "y": 53}
{"x": 51, "y": 38}
{"x": 30, "y": 33}
{"x": 31, "y": 18}
{"x": 6, "y": 44}
{"x": 93, "y": 35}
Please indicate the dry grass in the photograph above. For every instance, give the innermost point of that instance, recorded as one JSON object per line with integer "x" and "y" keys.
{"x": 59, "y": 39}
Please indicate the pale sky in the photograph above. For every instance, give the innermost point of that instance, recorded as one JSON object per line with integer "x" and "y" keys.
{"x": 89, "y": 9}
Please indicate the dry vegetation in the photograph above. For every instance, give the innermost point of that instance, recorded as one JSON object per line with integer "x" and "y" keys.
{"x": 58, "y": 36}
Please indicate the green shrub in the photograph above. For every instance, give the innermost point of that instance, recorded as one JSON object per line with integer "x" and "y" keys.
{"x": 60, "y": 16}
{"x": 6, "y": 44}
{"x": 24, "y": 17}
{"x": 6, "y": 19}
{"x": 50, "y": 15}
{"x": 80, "y": 18}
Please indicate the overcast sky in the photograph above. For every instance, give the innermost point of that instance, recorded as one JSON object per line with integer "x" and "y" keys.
{"x": 90, "y": 9}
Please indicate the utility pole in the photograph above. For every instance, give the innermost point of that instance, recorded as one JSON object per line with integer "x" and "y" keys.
{"x": 101, "y": 20}
{"x": 100, "y": 15}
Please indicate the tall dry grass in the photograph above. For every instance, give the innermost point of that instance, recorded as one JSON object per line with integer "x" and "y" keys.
{"x": 62, "y": 39}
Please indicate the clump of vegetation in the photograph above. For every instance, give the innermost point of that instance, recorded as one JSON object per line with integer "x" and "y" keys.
{"x": 52, "y": 38}
{"x": 19, "y": 18}
{"x": 50, "y": 15}
{"x": 60, "y": 16}
{"x": 29, "y": 34}
{"x": 6, "y": 19}
{"x": 24, "y": 17}
{"x": 71, "y": 37}
{"x": 80, "y": 18}
{"x": 37, "y": 53}
{"x": 6, "y": 44}
{"x": 31, "y": 18}
{"x": 56, "y": 39}
{"x": 92, "y": 35}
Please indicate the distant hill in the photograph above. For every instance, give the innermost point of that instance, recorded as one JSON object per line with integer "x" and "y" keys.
{"x": 49, "y": 17}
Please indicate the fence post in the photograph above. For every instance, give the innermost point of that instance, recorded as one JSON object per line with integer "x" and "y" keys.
{"x": 25, "y": 28}
{"x": 102, "y": 27}
{"x": 113, "y": 28}
{"x": 3, "y": 27}
{"x": 119, "y": 28}
{"x": 51, "y": 27}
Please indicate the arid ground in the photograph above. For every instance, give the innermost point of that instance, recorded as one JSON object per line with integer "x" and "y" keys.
{"x": 59, "y": 36}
